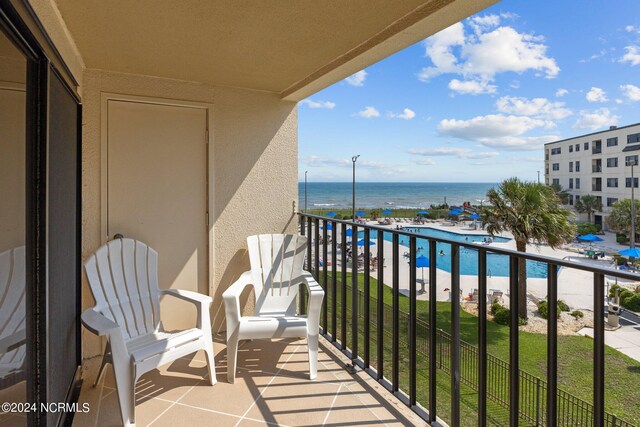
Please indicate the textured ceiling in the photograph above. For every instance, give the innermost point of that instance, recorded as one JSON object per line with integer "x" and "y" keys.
{"x": 264, "y": 45}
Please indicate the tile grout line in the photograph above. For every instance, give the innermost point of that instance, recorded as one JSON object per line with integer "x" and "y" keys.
{"x": 178, "y": 399}
{"x": 267, "y": 386}
{"x": 333, "y": 402}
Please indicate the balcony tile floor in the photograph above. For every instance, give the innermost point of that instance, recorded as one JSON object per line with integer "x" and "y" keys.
{"x": 271, "y": 388}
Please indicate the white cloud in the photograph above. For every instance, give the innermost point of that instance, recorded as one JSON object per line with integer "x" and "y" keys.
{"x": 483, "y": 55}
{"x": 561, "y": 92}
{"x": 508, "y": 161}
{"x": 318, "y": 104}
{"x": 473, "y": 87}
{"x": 631, "y": 92}
{"x": 368, "y": 113}
{"x": 596, "y": 94}
{"x": 357, "y": 79}
{"x": 461, "y": 153}
{"x": 406, "y": 114}
{"x": 426, "y": 161}
{"x": 632, "y": 56}
{"x": 595, "y": 119}
{"x": 377, "y": 168}
{"x": 535, "y": 107}
{"x": 498, "y": 131}
{"x": 484, "y": 23}
{"x": 632, "y": 29}
{"x": 515, "y": 84}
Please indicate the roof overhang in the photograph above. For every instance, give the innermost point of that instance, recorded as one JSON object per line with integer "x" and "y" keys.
{"x": 293, "y": 48}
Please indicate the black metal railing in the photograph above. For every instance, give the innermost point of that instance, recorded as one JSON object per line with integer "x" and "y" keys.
{"x": 370, "y": 321}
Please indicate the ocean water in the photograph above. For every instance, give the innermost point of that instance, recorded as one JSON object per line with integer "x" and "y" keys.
{"x": 391, "y": 194}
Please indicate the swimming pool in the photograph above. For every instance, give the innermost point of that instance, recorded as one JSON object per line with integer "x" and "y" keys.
{"x": 497, "y": 264}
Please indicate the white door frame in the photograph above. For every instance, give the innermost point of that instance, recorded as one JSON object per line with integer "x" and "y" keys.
{"x": 104, "y": 136}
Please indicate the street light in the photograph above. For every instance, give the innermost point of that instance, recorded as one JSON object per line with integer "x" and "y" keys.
{"x": 538, "y": 177}
{"x": 305, "y": 191}
{"x": 354, "y": 159}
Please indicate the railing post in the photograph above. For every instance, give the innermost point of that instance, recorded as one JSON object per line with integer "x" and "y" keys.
{"x": 482, "y": 338}
{"x": 537, "y": 401}
{"x": 412, "y": 321}
{"x": 343, "y": 289}
{"x": 433, "y": 344}
{"x": 552, "y": 345}
{"x": 455, "y": 335}
{"x": 334, "y": 280}
{"x": 380, "y": 307}
{"x": 354, "y": 294}
{"x": 598, "y": 350}
{"x": 325, "y": 284}
{"x": 366, "y": 296}
{"x": 395, "y": 348}
{"x": 514, "y": 370}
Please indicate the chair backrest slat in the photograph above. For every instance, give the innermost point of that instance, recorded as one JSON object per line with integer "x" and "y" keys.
{"x": 123, "y": 278}
{"x": 12, "y": 300}
{"x": 276, "y": 265}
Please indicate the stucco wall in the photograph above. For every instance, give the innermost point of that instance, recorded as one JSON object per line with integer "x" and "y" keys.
{"x": 254, "y": 170}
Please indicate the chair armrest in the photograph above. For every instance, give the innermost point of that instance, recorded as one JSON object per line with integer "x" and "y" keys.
{"x": 313, "y": 286}
{"x": 231, "y": 299}
{"x": 12, "y": 341}
{"x": 97, "y": 323}
{"x": 190, "y": 296}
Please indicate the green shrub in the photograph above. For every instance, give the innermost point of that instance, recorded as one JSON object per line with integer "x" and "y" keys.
{"x": 619, "y": 259}
{"x": 502, "y": 316}
{"x": 586, "y": 228}
{"x": 631, "y": 301}
{"x": 562, "y": 306}
{"x": 621, "y": 238}
{"x": 613, "y": 289}
{"x": 577, "y": 314}
{"x": 543, "y": 310}
{"x": 495, "y": 307}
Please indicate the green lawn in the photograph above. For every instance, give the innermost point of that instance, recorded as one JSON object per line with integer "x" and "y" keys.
{"x": 575, "y": 361}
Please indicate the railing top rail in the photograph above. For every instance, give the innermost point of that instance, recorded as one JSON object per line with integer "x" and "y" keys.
{"x": 510, "y": 252}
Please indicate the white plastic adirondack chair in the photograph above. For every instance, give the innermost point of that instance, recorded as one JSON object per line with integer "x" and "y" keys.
{"x": 276, "y": 274}
{"x": 123, "y": 276}
{"x": 12, "y": 316}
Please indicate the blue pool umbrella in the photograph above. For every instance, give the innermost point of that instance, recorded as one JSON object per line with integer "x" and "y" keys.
{"x": 423, "y": 213}
{"x": 422, "y": 262}
{"x": 474, "y": 216}
{"x": 361, "y": 213}
{"x": 361, "y": 242}
{"x": 332, "y": 214}
{"x": 329, "y": 227}
{"x": 631, "y": 252}
{"x": 349, "y": 232}
{"x": 590, "y": 238}
{"x": 455, "y": 212}
{"x": 386, "y": 212}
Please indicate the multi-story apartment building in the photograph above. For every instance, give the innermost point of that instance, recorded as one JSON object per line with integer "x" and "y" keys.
{"x": 598, "y": 164}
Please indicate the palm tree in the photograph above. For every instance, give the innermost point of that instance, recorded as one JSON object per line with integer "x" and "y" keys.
{"x": 532, "y": 213}
{"x": 562, "y": 194}
{"x": 619, "y": 219}
{"x": 588, "y": 204}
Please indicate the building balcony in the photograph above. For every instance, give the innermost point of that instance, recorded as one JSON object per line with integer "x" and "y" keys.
{"x": 271, "y": 388}
{"x": 596, "y": 150}
{"x": 596, "y": 169}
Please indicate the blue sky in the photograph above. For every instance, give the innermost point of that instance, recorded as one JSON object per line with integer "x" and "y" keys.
{"x": 476, "y": 102}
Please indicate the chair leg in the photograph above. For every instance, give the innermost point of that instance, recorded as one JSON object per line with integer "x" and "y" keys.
{"x": 232, "y": 357}
{"x": 210, "y": 364}
{"x": 125, "y": 387}
{"x": 106, "y": 357}
{"x": 312, "y": 344}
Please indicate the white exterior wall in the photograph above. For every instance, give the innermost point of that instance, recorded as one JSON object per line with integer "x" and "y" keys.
{"x": 586, "y": 158}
